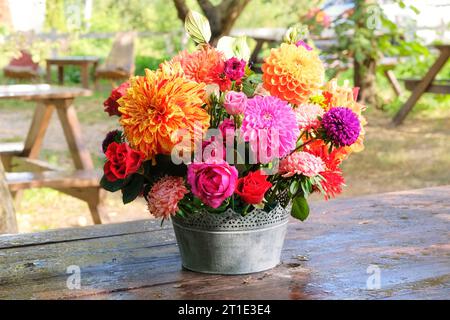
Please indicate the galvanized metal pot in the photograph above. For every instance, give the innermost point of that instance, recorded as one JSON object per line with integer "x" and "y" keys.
{"x": 229, "y": 243}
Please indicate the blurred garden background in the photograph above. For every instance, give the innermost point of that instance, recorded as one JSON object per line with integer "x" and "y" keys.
{"x": 413, "y": 155}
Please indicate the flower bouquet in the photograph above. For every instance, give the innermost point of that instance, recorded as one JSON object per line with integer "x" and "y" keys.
{"x": 226, "y": 153}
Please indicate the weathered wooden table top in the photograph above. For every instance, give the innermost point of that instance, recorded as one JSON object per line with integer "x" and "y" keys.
{"x": 72, "y": 60}
{"x": 40, "y": 92}
{"x": 400, "y": 238}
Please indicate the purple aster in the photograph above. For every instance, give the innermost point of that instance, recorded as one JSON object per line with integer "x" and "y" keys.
{"x": 341, "y": 126}
{"x": 234, "y": 68}
{"x": 270, "y": 122}
{"x": 112, "y": 136}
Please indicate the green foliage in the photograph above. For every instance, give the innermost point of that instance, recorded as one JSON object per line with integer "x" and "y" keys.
{"x": 111, "y": 186}
{"x": 146, "y": 62}
{"x": 300, "y": 208}
{"x": 368, "y": 33}
{"x": 133, "y": 188}
{"x": 55, "y": 18}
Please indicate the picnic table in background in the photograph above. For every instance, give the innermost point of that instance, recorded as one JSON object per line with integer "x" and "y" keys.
{"x": 22, "y": 68}
{"x": 84, "y": 62}
{"x": 384, "y": 246}
{"x": 83, "y": 182}
{"x": 426, "y": 84}
{"x": 119, "y": 65}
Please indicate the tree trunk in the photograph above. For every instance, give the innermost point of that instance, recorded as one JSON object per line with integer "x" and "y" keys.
{"x": 221, "y": 17}
{"x": 364, "y": 77}
{"x": 8, "y": 222}
{"x": 364, "y": 72}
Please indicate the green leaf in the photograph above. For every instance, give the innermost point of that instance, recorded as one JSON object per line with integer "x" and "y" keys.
{"x": 293, "y": 188}
{"x": 300, "y": 208}
{"x": 111, "y": 186}
{"x": 133, "y": 188}
{"x": 197, "y": 26}
{"x": 413, "y": 8}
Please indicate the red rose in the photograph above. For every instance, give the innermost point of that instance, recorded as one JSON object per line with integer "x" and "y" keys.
{"x": 110, "y": 104}
{"x": 122, "y": 161}
{"x": 253, "y": 187}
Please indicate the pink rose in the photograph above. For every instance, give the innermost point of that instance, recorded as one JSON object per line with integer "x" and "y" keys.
{"x": 226, "y": 125}
{"x": 212, "y": 182}
{"x": 235, "y": 102}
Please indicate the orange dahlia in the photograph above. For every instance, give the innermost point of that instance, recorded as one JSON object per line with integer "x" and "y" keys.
{"x": 158, "y": 104}
{"x": 292, "y": 73}
{"x": 205, "y": 65}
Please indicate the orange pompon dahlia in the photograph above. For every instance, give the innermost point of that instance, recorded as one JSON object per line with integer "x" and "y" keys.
{"x": 205, "y": 65}
{"x": 159, "y": 104}
{"x": 292, "y": 73}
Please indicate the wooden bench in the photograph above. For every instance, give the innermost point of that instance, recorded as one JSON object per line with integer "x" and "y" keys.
{"x": 426, "y": 84}
{"x": 53, "y": 179}
{"x": 8, "y": 151}
{"x": 20, "y": 160}
{"x": 437, "y": 86}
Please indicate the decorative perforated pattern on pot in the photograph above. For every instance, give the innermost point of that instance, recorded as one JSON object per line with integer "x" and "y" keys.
{"x": 233, "y": 221}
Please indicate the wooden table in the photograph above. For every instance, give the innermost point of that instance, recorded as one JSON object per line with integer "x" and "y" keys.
{"x": 425, "y": 84}
{"x": 83, "y": 182}
{"x": 403, "y": 237}
{"x": 83, "y": 61}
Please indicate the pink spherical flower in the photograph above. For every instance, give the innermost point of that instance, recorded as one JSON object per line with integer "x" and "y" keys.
{"x": 164, "y": 196}
{"x": 235, "y": 102}
{"x": 307, "y": 116}
{"x": 270, "y": 122}
{"x": 301, "y": 163}
{"x": 212, "y": 182}
{"x": 234, "y": 68}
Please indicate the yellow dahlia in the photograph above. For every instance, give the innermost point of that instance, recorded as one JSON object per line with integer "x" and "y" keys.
{"x": 292, "y": 73}
{"x": 158, "y": 104}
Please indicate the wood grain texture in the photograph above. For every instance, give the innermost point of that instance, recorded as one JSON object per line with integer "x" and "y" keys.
{"x": 40, "y": 92}
{"x": 423, "y": 84}
{"x": 53, "y": 179}
{"x": 8, "y": 223}
{"x": 405, "y": 234}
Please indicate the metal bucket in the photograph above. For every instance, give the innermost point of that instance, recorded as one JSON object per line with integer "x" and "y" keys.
{"x": 229, "y": 243}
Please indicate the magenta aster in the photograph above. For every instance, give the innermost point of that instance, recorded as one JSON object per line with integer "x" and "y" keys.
{"x": 302, "y": 163}
{"x": 341, "y": 126}
{"x": 270, "y": 117}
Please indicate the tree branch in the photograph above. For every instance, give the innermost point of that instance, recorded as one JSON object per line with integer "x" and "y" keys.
{"x": 182, "y": 9}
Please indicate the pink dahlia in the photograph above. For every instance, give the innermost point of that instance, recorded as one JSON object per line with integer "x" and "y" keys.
{"x": 301, "y": 163}
{"x": 164, "y": 196}
{"x": 307, "y": 116}
{"x": 270, "y": 122}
